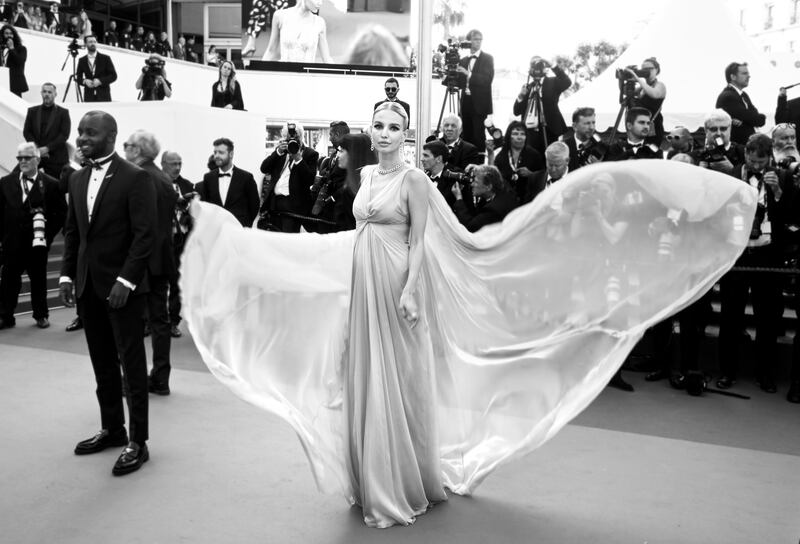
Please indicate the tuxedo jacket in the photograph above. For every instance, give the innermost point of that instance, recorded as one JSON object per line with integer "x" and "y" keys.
{"x": 780, "y": 211}
{"x": 104, "y": 71}
{"x": 552, "y": 87}
{"x": 162, "y": 259}
{"x": 788, "y": 111}
{"x": 404, "y": 104}
{"x": 741, "y": 108}
{"x": 462, "y": 154}
{"x": 16, "y": 219}
{"x": 120, "y": 238}
{"x": 535, "y": 185}
{"x": 17, "y": 83}
{"x": 54, "y": 136}
{"x": 300, "y": 180}
{"x": 445, "y": 187}
{"x": 529, "y": 158}
{"x": 184, "y": 185}
{"x": 242, "y": 198}
{"x": 485, "y": 213}
{"x": 622, "y": 151}
{"x": 480, "y": 82}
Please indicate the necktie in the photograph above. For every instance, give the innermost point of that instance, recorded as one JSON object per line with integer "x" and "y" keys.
{"x": 746, "y": 100}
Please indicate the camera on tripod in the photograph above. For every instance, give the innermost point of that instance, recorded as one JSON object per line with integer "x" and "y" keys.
{"x": 292, "y": 139}
{"x": 627, "y": 82}
{"x": 623, "y": 74}
{"x": 73, "y": 47}
{"x": 451, "y": 58}
{"x": 461, "y": 178}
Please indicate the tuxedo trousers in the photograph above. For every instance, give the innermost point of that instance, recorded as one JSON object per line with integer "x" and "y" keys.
{"x": 30, "y": 260}
{"x": 115, "y": 337}
{"x": 158, "y": 318}
{"x": 472, "y": 129}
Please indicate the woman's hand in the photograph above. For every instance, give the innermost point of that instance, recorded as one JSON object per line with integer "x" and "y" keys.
{"x": 409, "y": 309}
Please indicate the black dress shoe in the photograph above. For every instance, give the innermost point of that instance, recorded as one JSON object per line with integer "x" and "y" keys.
{"x": 7, "y": 323}
{"x": 158, "y": 388}
{"x": 794, "y": 392}
{"x": 42, "y": 323}
{"x": 767, "y": 385}
{"x": 725, "y": 382}
{"x": 131, "y": 459}
{"x": 76, "y": 325}
{"x": 657, "y": 376}
{"x": 619, "y": 383}
{"x": 101, "y": 441}
{"x": 677, "y": 381}
{"x": 146, "y": 329}
{"x": 175, "y": 332}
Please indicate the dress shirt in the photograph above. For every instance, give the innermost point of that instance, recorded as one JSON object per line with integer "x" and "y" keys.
{"x": 282, "y": 187}
{"x": 26, "y": 183}
{"x": 635, "y": 146}
{"x": 91, "y": 58}
{"x": 225, "y": 183}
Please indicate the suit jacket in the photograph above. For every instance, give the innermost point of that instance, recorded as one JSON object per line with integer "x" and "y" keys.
{"x": 529, "y": 158}
{"x": 16, "y": 219}
{"x": 779, "y": 211}
{"x": 17, "y": 83}
{"x": 740, "y": 108}
{"x": 404, "y": 104}
{"x": 120, "y": 238}
{"x": 462, "y": 154}
{"x": 552, "y": 87}
{"x": 622, "y": 151}
{"x": 162, "y": 259}
{"x": 300, "y": 180}
{"x": 242, "y": 199}
{"x": 54, "y": 136}
{"x": 104, "y": 71}
{"x": 445, "y": 187}
{"x": 535, "y": 185}
{"x": 184, "y": 185}
{"x": 788, "y": 111}
{"x": 485, "y": 213}
{"x": 596, "y": 145}
{"x": 480, "y": 82}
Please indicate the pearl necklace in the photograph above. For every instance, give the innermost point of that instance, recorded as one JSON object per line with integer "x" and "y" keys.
{"x": 394, "y": 168}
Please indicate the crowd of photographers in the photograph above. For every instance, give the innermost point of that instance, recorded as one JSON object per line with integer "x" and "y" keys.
{"x": 482, "y": 172}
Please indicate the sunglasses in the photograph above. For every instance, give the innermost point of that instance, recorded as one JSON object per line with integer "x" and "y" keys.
{"x": 25, "y": 158}
{"x": 391, "y": 88}
{"x": 782, "y": 126}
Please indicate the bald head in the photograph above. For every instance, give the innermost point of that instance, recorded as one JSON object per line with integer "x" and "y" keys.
{"x": 680, "y": 139}
{"x": 171, "y": 164}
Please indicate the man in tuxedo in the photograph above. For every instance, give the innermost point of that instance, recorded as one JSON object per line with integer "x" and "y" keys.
{"x": 141, "y": 148}
{"x": 171, "y": 164}
{"x": 48, "y": 126}
{"x": 557, "y": 159}
{"x": 584, "y": 144}
{"x": 229, "y": 186}
{"x": 53, "y": 19}
{"x": 537, "y": 103}
{"x": 461, "y": 152}
{"x": 734, "y": 100}
{"x": 110, "y": 36}
{"x": 96, "y": 73}
{"x": 787, "y": 111}
{"x": 27, "y": 198}
{"x": 108, "y": 239}
{"x": 330, "y": 180}
{"x": 390, "y": 87}
{"x": 13, "y": 56}
{"x": 719, "y": 153}
{"x": 434, "y": 162}
{"x": 288, "y": 178}
{"x": 5, "y": 11}
{"x": 495, "y": 201}
{"x": 633, "y": 145}
{"x": 476, "y": 98}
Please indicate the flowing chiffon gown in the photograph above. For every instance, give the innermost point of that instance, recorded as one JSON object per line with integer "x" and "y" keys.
{"x": 522, "y": 324}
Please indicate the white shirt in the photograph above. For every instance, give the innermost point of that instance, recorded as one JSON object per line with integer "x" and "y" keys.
{"x": 225, "y": 184}
{"x": 282, "y": 187}
{"x": 26, "y": 185}
{"x": 91, "y": 57}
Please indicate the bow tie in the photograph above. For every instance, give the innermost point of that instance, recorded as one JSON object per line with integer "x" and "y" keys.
{"x": 97, "y": 165}
{"x": 225, "y": 175}
{"x": 473, "y": 56}
{"x": 29, "y": 179}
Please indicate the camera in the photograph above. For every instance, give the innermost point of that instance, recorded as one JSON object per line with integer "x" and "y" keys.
{"x": 451, "y": 58}
{"x": 292, "y": 139}
{"x": 595, "y": 147}
{"x": 789, "y": 163}
{"x": 627, "y": 83}
{"x": 73, "y": 47}
{"x": 714, "y": 152}
{"x": 459, "y": 177}
{"x": 39, "y": 222}
{"x": 153, "y": 66}
{"x": 538, "y": 69}
{"x": 495, "y": 133}
{"x": 623, "y": 74}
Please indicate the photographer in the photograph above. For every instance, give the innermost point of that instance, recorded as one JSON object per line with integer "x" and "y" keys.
{"x": 537, "y": 103}
{"x": 288, "y": 175}
{"x": 557, "y": 158}
{"x": 461, "y": 152}
{"x": 718, "y": 152}
{"x": 476, "y": 99}
{"x": 110, "y": 36}
{"x": 152, "y": 82}
{"x": 787, "y": 111}
{"x": 330, "y": 180}
{"x": 495, "y": 199}
{"x": 516, "y": 160}
{"x": 96, "y": 73}
{"x": 634, "y": 146}
{"x": 434, "y": 162}
{"x": 650, "y": 94}
{"x": 585, "y": 146}
{"x": 680, "y": 141}
{"x": 13, "y": 56}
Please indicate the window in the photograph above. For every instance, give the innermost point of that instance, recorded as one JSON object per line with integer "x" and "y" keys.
{"x": 768, "y": 20}
{"x": 794, "y": 13}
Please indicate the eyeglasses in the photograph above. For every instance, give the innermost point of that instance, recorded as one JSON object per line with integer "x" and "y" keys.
{"x": 784, "y": 126}
{"x": 392, "y": 88}
{"x": 25, "y": 157}
{"x": 126, "y": 145}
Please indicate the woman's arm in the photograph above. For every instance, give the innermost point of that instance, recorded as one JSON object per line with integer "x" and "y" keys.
{"x": 659, "y": 90}
{"x": 324, "y": 51}
{"x": 416, "y": 187}
{"x": 273, "y": 49}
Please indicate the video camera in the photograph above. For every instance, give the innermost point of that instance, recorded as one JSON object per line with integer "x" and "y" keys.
{"x": 452, "y": 56}
{"x": 292, "y": 139}
{"x": 623, "y": 74}
{"x": 627, "y": 82}
{"x": 73, "y": 47}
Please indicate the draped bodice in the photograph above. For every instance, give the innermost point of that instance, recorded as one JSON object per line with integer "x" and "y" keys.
{"x": 381, "y": 205}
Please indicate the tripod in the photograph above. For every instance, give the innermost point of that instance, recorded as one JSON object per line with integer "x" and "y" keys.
{"x": 535, "y": 94}
{"x": 626, "y": 91}
{"x": 451, "y": 100}
{"x": 73, "y": 78}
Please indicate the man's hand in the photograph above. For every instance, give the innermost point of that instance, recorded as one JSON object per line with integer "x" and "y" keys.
{"x": 96, "y": 82}
{"x": 489, "y": 146}
{"x": 523, "y": 92}
{"x": 66, "y": 294}
{"x": 283, "y": 146}
{"x": 118, "y": 296}
{"x": 782, "y": 91}
{"x": 771, "y": 179}
{"x": 44, "y": 151}
{"x": 724, "y": 166}
{"x": 736, "y": 122}
{"x": 456, "y": 190}
{"x": 462, "y": 70}
{"x": 524, "y": 171}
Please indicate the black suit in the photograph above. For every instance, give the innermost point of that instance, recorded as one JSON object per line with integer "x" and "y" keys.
{"x": 16, "y": 235}
{"x": 184, "y": 187}
{"x": 741, "y": 108}
{"x": 162, "y": 271}
{"x": 530, "y": 159}
{"x": 485, "y": 213}
{"x": 552, "y": 87}
{"x": 116, "y": 243}
{"x": 788, "y": 111}
{"x": 298, "y": 201}
{"x": 578, "y": 159}
{"x": 404, "y": 104}
{"x": 53, "y": 135}
{"x": 15, "y": 62}
{"x": 463, "y": 153}
{"x": 477, "y": 103}
{"x": 622, "y": 150}
{"x": 103, "y": 70}
{"x": 242, "y": 199}
{"x": 537, "y": 183}
{"x": 445, "y": 187}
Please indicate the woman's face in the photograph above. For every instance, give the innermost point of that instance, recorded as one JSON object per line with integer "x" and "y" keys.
{"x": 313, "y": 5}
{"x": 225, "y": 69}
{"x": 344, "y": 157}
{"x": 650, "y": 67}
{"x": 518, "y": 138}
{"x": 388, "y": 133}
{"x": 84, "y": 16}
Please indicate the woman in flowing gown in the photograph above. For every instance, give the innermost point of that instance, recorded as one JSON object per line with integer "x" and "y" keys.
{"x": 411, "y": 356}
{"x": 298, "y": 33}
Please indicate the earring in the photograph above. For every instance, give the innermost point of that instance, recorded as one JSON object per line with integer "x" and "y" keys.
{"x": 371, "y": 145}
